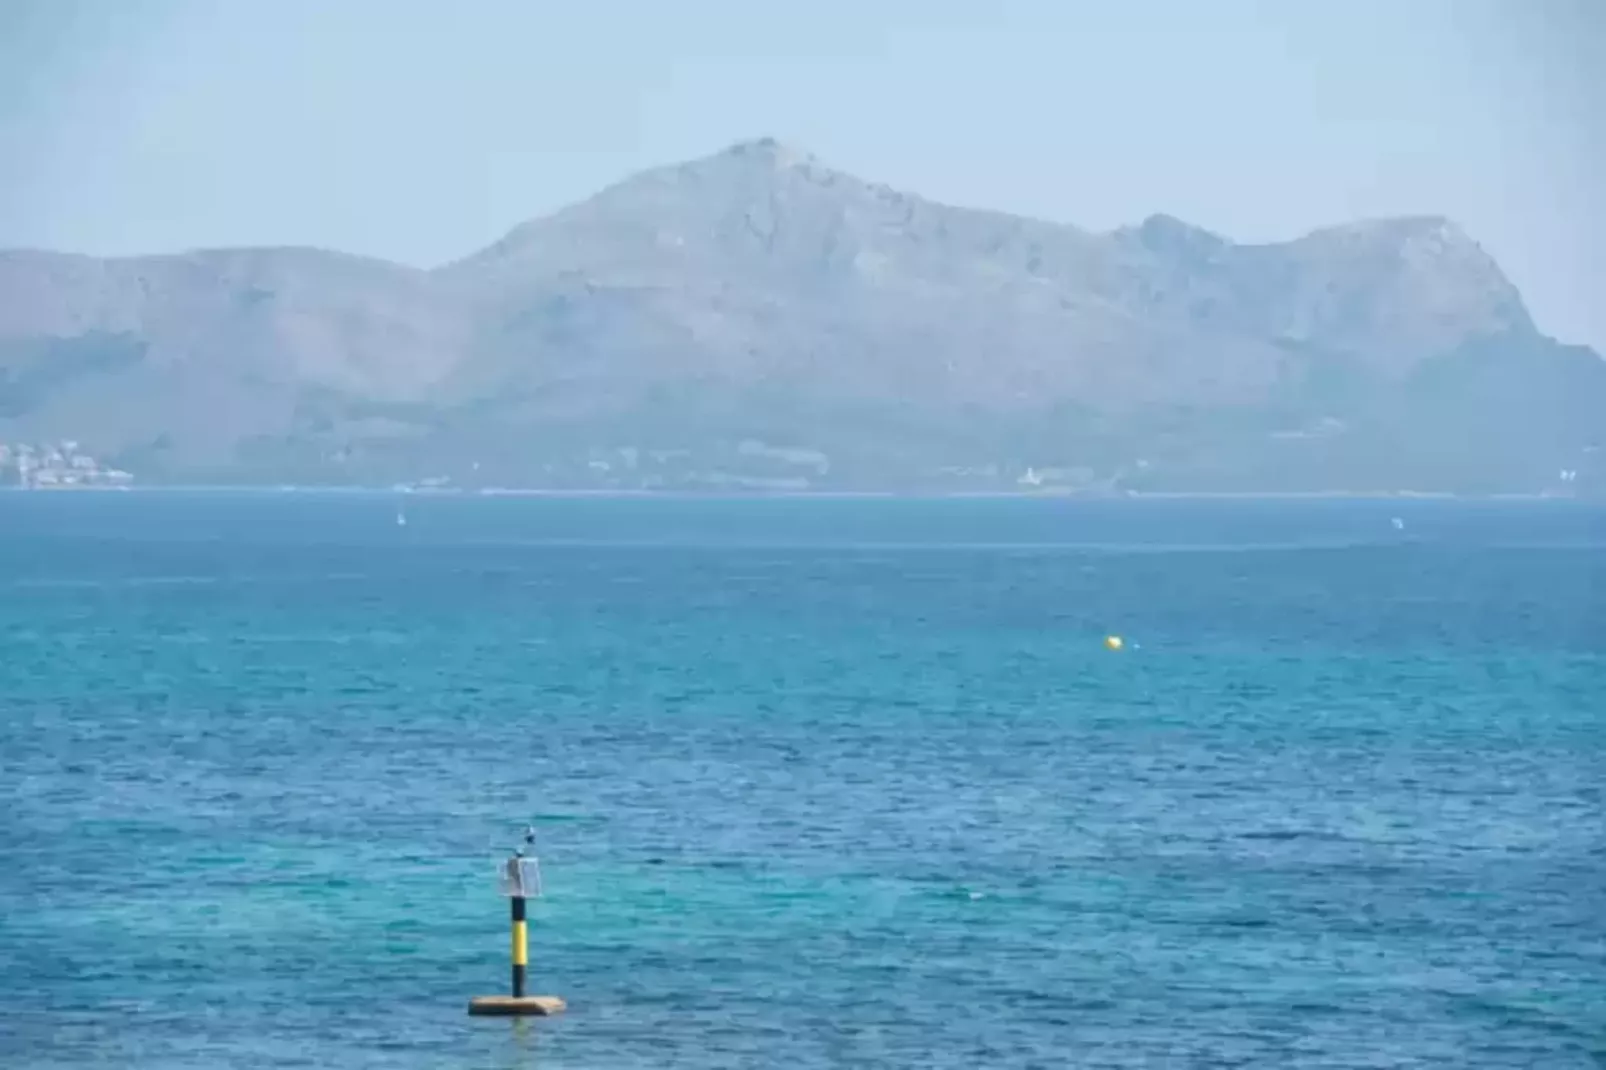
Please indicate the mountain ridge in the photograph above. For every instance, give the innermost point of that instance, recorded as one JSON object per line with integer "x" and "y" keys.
{"x": 756, "y": 295}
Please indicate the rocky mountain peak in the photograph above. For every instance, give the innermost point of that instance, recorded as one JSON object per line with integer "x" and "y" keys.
{"x": 757, "y": 295}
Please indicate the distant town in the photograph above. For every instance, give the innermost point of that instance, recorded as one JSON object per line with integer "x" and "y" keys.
{"x": 55, "y": 465}
{"x": 748, "y": 467}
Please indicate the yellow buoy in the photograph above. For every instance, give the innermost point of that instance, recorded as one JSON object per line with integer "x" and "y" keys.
{"x": 1113, "y": 642}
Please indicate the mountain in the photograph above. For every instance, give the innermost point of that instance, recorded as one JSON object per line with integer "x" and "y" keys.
{"x": 757, "y": 319}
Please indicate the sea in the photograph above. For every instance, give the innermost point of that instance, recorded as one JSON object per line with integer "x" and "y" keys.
{"x": 814, "y": 782}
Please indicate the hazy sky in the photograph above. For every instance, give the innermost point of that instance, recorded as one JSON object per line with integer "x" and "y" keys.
{"x": 420, "y": 130}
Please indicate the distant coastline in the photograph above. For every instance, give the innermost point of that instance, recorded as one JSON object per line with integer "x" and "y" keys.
{"x": 757, "y": 493}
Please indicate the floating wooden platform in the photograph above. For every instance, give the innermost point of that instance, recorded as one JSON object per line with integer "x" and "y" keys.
{"x": 516, "y": 1006}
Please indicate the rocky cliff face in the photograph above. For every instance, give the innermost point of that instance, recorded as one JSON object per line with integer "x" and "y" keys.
{"x": 711, "y": 322}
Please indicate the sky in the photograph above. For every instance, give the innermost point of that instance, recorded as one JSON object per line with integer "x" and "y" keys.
{"x": 419, "y": 131}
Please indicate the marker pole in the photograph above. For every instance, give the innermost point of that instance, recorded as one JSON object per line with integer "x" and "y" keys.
{"x": 520, "y": 879}
{"x": 521, "y": 946}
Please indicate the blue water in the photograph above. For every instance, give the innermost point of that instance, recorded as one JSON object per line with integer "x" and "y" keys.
{"x": 819, "y": 783}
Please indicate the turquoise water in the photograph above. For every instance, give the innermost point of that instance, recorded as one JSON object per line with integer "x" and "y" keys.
{"x": 819, "y": 783}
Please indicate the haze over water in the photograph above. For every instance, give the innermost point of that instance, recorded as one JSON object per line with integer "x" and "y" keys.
{"x": 818, "y": 782}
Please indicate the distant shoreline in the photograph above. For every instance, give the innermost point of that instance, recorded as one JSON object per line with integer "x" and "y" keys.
{"x": 757, "y": 493}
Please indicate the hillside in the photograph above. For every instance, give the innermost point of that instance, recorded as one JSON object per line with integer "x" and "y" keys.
{"x": 756, "y": 319}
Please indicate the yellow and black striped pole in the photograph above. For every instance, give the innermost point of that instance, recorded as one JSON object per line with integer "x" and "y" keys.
{"x": 521, "y": 946}
{"x": 521, "y": 878}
